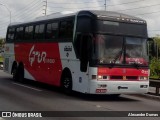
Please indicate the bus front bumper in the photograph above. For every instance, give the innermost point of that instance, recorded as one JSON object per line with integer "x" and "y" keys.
{"x": 118, "y": 87}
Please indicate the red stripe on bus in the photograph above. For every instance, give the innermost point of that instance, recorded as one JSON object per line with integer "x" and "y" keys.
{"x": 41, "y": 60}
{"x": 123, "y": 71}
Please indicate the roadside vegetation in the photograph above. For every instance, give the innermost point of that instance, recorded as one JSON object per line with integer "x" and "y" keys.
{"x": 154, "y": 57}
{"x": 1, "y": 49}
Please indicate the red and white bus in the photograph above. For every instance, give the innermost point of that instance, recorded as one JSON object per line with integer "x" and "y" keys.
{"x": 95, "y": 52}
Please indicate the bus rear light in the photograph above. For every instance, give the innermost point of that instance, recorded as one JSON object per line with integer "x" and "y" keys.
{"x": 143, "y": 78}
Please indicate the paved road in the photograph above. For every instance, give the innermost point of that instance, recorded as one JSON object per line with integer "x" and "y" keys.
{"x": 39, "y": 97}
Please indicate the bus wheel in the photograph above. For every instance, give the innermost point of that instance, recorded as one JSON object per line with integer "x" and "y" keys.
{"x": 66, "y": 83}
{"x": 14, "y": 73}
{"x": 20, "y": 73}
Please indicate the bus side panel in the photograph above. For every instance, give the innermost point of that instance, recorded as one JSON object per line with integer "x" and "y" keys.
{"x": 41, "y": 60}
{"x": 69, "y": 60}
{"x": 9, "y": 57}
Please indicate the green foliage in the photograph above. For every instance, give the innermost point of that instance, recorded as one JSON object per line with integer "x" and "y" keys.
{"x": 157, "y": 40}
{"x": 1, "y": 43}
{"x": 154, "y": 58}
{"x": 155, "y": 68}
{"x": 1, "y": 59}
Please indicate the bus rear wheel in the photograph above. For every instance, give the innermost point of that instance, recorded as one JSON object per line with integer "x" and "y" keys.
{"x": 20, "y": 73}
{"x": 14, "y": 73}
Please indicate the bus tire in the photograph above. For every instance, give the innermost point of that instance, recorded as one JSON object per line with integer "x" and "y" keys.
{"x": 66, "y": 82}
{"x": 15, "y": 73}
{"x": 20, "y": 73}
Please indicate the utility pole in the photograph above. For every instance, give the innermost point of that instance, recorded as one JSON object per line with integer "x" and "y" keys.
{"x": 105, "y": 5}
{"x": 45, "y": 7}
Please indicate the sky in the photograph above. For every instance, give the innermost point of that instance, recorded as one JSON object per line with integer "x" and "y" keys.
{"x": 22, "y": 10}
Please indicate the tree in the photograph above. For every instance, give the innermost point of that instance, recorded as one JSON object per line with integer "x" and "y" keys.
{"x": 157, "y": 45}
{"x": 154, "y": 59}
{"x": 1, "y": 43}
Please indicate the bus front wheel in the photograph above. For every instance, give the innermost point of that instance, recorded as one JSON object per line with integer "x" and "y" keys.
{"x": 66, "y": 82}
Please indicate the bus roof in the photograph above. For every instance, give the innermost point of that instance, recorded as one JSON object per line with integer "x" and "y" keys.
{"x": 47, "y": 17}
{"x": 115, "y": 16}
{"x": 98, "y": 13}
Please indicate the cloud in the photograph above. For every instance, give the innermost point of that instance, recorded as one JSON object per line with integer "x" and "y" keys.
{"x": 23, "y": 10}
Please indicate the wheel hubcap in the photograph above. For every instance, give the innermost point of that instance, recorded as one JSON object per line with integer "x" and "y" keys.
{"x": 67, "y": 83}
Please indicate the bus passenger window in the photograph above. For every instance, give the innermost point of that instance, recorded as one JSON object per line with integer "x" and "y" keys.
{"x": 28, "y": 33}
{"x": 52, "y": 30}
{"x": 66, "y": 29}
{"x": 19, "y": 33}
{"x": 39, "y": 32}
{"x": 10, "y": 35}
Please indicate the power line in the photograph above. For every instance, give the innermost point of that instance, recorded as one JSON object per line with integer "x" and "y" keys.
{"x": 76, "y": 7}
{"x": 26, "y": 11}
{"x": 126, "y": 3}
{"x": 31, "y": 15}
{"x": 36, "y": 14}
{"x": 139, "y": 7}
{"x": 26, "y": 8}
{"x": 148, "y": 13}
{"x": 76, "y": 2}
{"x": 29, "y": 11}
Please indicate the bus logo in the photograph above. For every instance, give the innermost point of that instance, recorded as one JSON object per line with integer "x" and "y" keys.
{"x": 124, "y": 78}
{"x": 41, "y": 56}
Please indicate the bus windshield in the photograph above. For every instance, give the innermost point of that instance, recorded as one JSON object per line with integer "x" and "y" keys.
{"x": 118, "y": 50}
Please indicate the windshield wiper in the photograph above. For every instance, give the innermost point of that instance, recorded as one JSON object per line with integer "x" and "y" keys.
{"x": 113, "y": 62}
{"x": 117, "y": 56}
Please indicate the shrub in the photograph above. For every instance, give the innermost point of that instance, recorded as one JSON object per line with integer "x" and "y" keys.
{"x": 155, "y": 68}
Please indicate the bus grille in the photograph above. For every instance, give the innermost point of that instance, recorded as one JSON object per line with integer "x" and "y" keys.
{"x": 122, "y": 77}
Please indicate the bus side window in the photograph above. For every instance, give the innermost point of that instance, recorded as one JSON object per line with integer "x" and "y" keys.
{"x": 66, "y": 29}
{"x": 52, "y": 30}
{"x": 39, "y": 31}
{"x": 28, "y": 33}
{"x": 10, "y": 35}
{"x": 19, "y": 33}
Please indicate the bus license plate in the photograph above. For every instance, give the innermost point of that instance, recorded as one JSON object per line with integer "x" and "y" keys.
{"x": 101, "y": 90}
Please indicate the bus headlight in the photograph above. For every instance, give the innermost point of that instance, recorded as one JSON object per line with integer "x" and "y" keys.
{"x": 103, "y": 77}
{"x": 100, "y": 77}
{"x": 143, "y": 78}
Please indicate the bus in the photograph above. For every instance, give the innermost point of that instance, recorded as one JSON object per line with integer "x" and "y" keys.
{"x": 89, "y": 51}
